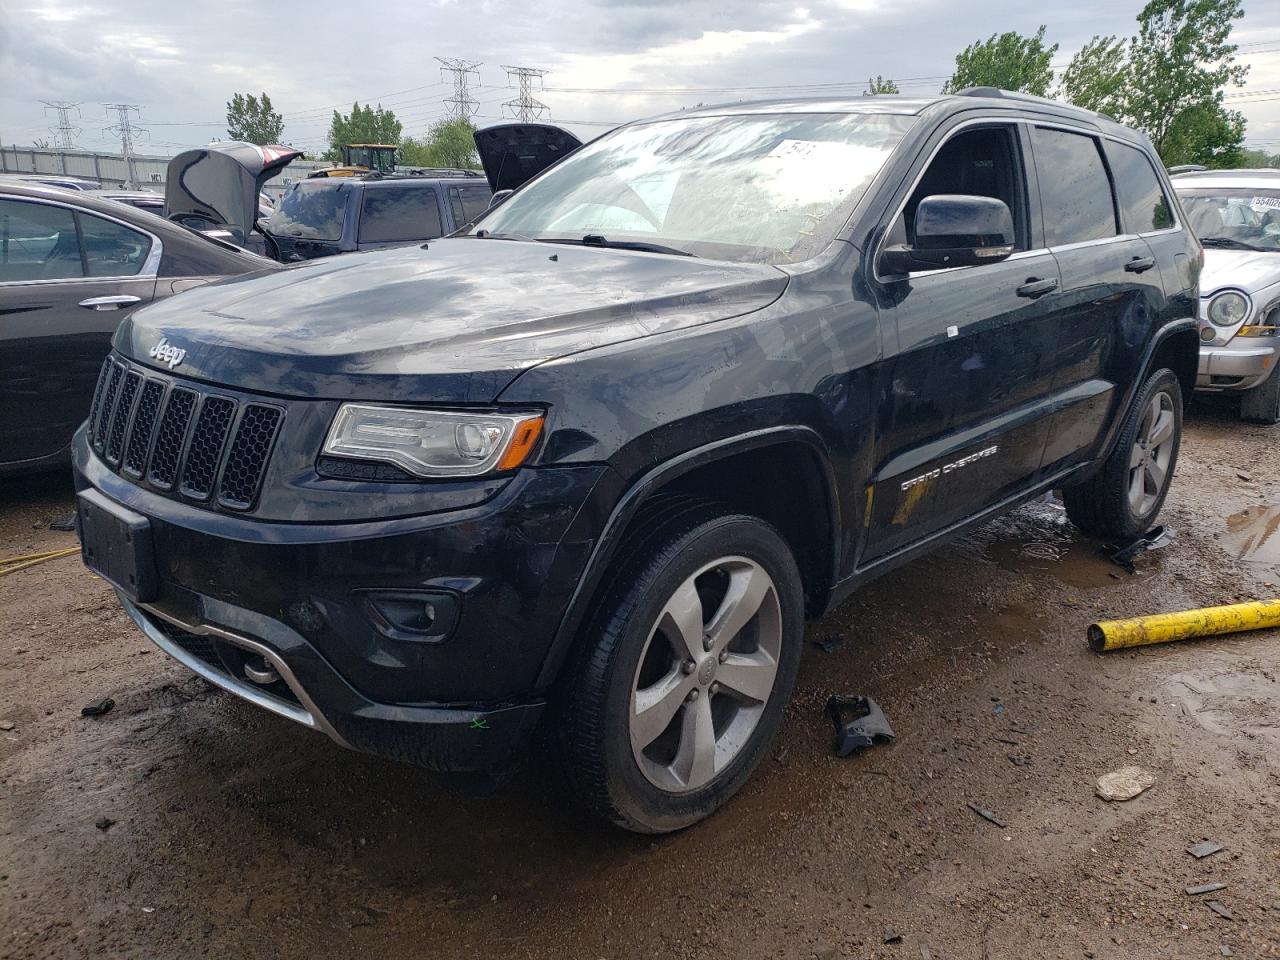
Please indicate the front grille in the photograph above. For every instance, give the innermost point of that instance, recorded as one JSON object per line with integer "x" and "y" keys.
{"x": 201, "y": 648}
{"x": 165, "y": 434}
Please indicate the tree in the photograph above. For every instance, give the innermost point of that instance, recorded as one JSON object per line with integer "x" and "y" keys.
{"x": 362, "y": 125}
{"x": 449, "y": 143}
{"x": 879, "y": 85}
{"x": 1168, "y": 81}
{"x": 1253, "y": 159}
{"x": 1009, "y": 61}
{"x": 1098, "y": 77}
{"x": 1183, "y": 58}
{"x": 253, "y": 119}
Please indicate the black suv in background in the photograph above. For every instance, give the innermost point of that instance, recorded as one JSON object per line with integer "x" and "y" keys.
{"x": 589, "y": 467}
{"x": 323, "y": 216}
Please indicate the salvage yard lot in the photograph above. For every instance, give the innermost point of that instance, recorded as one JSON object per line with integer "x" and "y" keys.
{"x": 186, "y": 823}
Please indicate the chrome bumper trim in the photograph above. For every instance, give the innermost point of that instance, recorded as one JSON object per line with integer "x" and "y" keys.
{"x": 308, "y": 714}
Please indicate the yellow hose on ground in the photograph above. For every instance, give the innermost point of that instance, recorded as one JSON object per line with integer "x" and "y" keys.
{"x": 13, "y": 564}
{"x": 1163, "y": 627}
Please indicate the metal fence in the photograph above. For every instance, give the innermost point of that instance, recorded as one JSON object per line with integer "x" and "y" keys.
{"x": 109, "y": 168}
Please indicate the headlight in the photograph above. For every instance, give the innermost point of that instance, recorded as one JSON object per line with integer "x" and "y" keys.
{"x": 434, "y": 443}
{"x": 1228, "y": 308}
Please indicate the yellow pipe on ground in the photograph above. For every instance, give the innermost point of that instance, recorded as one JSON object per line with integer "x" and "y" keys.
{"x": 14, "y": 564}
{"x": 1163, "y": 627}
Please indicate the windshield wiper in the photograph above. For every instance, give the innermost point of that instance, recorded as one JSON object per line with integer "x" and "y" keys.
{"x": 595, "y": 240}
{"x": 489, "y": 235}
{"x": 1226, "y": 243}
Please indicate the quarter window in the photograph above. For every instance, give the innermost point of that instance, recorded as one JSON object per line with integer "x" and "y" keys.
{"x": 468, "y": 203}
{"x": 1143, "y": 203}
{"x": 399, "y": 214}
{"x": 38, "y": 242}
{"x": 1074, "y": 188}
{"x": 111, "y": 249}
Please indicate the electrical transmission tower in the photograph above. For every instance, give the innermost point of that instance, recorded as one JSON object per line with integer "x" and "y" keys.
{"x": 460, "y": 106}
{"x": 66, "y": 132}
{"x": 127, "y": 132}
{"x": 525, "y": 107}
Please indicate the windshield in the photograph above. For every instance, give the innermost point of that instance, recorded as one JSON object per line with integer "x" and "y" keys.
{"x": 1244, "y": 217}
{"x": 773, "y": 188}
{"x": 311, "y": 210}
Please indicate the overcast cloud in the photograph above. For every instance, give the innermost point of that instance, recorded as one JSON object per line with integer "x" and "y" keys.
{"x": 181, "y": 61}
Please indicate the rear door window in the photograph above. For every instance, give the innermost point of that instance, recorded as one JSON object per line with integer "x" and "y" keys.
{"x": 468, "y": 202}
{"x": 38, "y": 242}
{"x": 1143, "y": 204}
{"x": 311, "y": 210}
{"x": 1075, "y": 190}
{"x": 112, "y": 249}
{"x": 399, "y": 213}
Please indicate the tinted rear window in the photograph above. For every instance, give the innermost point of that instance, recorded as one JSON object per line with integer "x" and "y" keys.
{"x": 312, "y": 210}
{"x": 1142, "y": 201}
{"x": 468, "y": 202}
{"x": 38, "y": 241}
{"x": 1074, "y": 187}
{"x": 399, "y": 213}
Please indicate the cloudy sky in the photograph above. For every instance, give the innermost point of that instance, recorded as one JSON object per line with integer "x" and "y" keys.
{"x": 607, "y": 61}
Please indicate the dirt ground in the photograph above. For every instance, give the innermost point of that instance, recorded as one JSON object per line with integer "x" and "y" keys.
{"x": 231, "y": 833}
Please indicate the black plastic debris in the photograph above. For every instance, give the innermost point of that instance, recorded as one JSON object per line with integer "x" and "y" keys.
{"x": 829, "y": 644}
{"x": 859, "y": 723}
{"x": 987, "y": 815}
{"x": 65, "y": 525}
{"x": 1123, "y": 554}
{"x": 97, "y": 708}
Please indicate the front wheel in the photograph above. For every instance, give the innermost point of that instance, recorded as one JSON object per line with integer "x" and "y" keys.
{"x": 1261, "y": 404}
{"x": 1123, "y": 499}
{"x": 692, "y": 655}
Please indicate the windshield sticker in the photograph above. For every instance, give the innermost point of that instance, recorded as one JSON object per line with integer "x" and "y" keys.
{"x": 1265, "y": 203}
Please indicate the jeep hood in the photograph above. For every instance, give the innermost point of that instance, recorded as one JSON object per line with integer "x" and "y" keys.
{"x": 223, "y": 182}
{"x": 512, "y": 153}
{"x": 451, "y": 321}
{"x": 1248, "y": 270}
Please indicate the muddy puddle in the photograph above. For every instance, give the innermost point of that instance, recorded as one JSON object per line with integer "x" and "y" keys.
{"x": 1078, "y": 563}
{"x": 1253, "y": 537}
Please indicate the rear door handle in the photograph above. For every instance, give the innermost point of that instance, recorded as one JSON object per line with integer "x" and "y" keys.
{"x": 1035, "y": 287}
{"x": 1140, "y": 264}
{"x": 110, "y": 303}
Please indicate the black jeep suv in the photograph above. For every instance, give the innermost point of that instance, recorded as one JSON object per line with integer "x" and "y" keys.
{"x": 588, "y": 468}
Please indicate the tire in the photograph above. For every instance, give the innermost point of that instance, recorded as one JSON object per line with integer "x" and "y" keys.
{"x": 634, "y": 654}
{"x": 1261, "y": 404}
{"x": 1110, "y": 504}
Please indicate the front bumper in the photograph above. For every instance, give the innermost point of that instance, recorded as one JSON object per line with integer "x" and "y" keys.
{"x": 1239, "y": 365}
{"x": 238, "y": 596}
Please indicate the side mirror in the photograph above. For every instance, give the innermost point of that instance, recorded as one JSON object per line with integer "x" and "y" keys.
{"x": 499, "y": 197}
{"x": 954, "y": 231}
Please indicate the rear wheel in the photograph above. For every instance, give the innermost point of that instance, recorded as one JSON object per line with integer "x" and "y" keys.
{"x": 693, "y": 653}
{"x": 1124, "y": 497}
{"x": 1262, "y": 403}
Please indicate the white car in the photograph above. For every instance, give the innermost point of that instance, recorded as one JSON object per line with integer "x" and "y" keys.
{"x": 1236, "y": 215}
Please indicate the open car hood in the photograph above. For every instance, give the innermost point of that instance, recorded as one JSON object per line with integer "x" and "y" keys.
{"x": 513, "y": 153}
{"x": 221, "y": 182}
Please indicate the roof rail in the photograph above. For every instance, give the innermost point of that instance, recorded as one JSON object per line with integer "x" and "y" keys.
{"x": 998, "y": 94}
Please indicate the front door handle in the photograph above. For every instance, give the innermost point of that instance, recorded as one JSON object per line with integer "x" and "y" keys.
{"x": 117, "y": 302}
{"x": 1035, "y": 287}
{"x": 1140, "y": 264}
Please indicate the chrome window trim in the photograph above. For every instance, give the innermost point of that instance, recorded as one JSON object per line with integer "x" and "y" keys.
{"x": 150, "y": 269}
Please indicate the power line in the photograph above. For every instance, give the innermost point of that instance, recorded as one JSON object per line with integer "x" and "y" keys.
{"x": 525, "y": 107}
{"x": 460, "y": 106}
{"x": 66, "y": 132}
{"x": 126, "y": 131}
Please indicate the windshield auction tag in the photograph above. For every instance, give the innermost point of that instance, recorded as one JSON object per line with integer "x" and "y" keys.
{"x": 1265, "y": 203}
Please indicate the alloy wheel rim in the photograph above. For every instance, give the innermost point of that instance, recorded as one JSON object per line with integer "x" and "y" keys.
{"x": 1151, "y": 454}
{"x": 705, "y": 674}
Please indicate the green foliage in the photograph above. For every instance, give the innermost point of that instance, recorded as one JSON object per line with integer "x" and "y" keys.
{"x": 448, "y": 143}
{"x": 878, "y": 85}
{"x": 362, "y": 125}
{"x": 253, "y": 119}
{"x": 1009, "y": 61}
{"x": 1168, "y": 81}
{"x": 1253, "y": 159}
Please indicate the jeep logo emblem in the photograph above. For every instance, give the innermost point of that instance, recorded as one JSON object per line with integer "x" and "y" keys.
{"x": 167, "y": 353}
